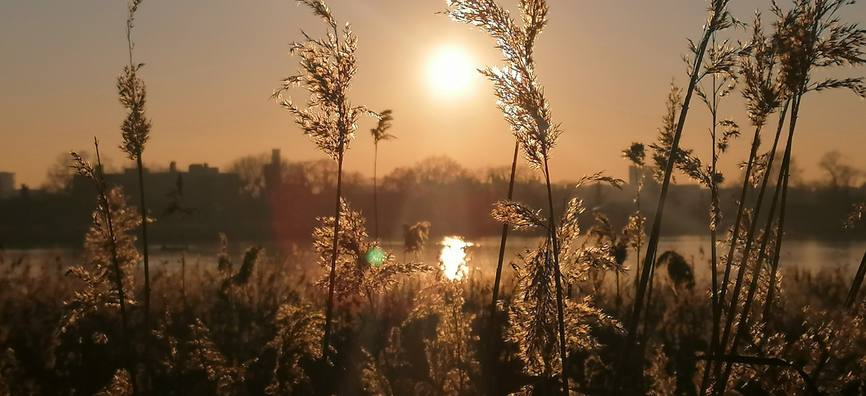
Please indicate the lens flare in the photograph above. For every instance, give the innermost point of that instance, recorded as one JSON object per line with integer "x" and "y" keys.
{"x": 376, "y": 256}
{"x": 453, "y": 258}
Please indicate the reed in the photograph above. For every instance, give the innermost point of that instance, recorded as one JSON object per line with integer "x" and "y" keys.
{"x": 497, "y": 279}
{"x": 107, "y": 247}
{"x": 811, "y": 36}
{"x": 379, "y": 133}
{"x": 808, "y": 36}
{"x": 762, "y": 94}
{"x": 327, "y": 68}
{"x": 719, "y": 20}
{"x": 521, "y": 99}
{"x": 136, "y": 132}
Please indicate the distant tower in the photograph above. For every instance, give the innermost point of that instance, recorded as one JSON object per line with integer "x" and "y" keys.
{"x": 272, "y": 173}
{"x": 7, "y": 184}
{"x": 172, "y": 167}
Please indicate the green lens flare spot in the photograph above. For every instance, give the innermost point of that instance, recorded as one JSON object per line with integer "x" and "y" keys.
{"x": 376, "y": 256}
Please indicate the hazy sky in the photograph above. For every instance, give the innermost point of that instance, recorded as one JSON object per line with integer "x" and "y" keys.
{"x": 212, "y": 65}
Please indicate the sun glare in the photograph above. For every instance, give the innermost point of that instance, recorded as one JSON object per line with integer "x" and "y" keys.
{"x": 453, "y": 258}
{"x": 450, "y": 72}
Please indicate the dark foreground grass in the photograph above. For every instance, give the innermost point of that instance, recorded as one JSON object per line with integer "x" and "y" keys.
{"x": 255, "y": 328}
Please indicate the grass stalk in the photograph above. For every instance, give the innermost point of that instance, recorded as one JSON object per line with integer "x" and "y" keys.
{"x": 758, "y": 205}
{"x": 750, "y": 236}
{"x": 147, "y": 320}
{"x": 332, "y": 277}
{"x": 750, "y": 296}
{"x": 856, "y": 284}
{"x": 719, "y": 300}
{"x": 375, "y": 190}
{"x": 491, "y": 334}
{"x": 638, "y": 177}
{"x": 557, "y": 279}
{"x": 645, "y": 334}
{"x": 135, "y": 130}
{"x": 764, "y": 93}
{"x": 776, "y": 252}
{"x": 118, "y": 271}
{"x": 714, "y": 207}
{"x": 328, "y": 118}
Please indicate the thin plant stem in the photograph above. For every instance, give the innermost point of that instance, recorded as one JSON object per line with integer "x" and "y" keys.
{"x": 182, "y": 353}
{"x": 758, "y": 205}
{"x": 717, "y": 307}
{"x": 491, "y": 335}
{"x": 645, "y": 334}
{"x": 135, "y": 111}
{"x": 780, "y": 189}
{"x": 118, "y": 271}
{"x": 331, "y": 278}
{"x": 637, "y": 250}
{"x": 855, "y": 286}
{"x": 750, "y": 236}
{"x": 776, "y": 253}
{"x": 786, "y": 166}
{"x": 557, "y": 279}
{"x": 716, "y": 213}
{"x": 147, "y": 324}
{"x": 714, "y": 206}
{"x": 375, "y": 193}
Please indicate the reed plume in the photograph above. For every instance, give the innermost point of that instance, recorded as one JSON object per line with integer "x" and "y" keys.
{"x": 536, "y": 307}
{"x": 362, "y": 267}
{"x": 450, "y": 353}
{"x": 299, "y": 331}
{"x": 415, "y": 238}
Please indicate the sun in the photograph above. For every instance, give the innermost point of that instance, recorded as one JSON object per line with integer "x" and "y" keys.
{"x": 450, "y": 72}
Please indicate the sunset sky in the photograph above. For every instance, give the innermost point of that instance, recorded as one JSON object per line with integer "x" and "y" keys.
{"x": 210, "y": 67}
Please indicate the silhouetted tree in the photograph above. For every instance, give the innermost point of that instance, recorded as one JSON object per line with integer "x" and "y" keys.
{"x": 842, "y": 175}
{"x": 250, "y": 168}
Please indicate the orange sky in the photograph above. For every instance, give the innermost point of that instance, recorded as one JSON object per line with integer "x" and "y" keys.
{"x": 212, "y": 65}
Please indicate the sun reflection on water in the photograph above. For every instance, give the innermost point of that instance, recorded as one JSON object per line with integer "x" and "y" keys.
{"x": 453, "y": 258}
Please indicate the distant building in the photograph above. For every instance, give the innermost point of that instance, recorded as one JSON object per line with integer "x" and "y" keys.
{"x": 7, "y": 185}
{"x": 203, "y": 186}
